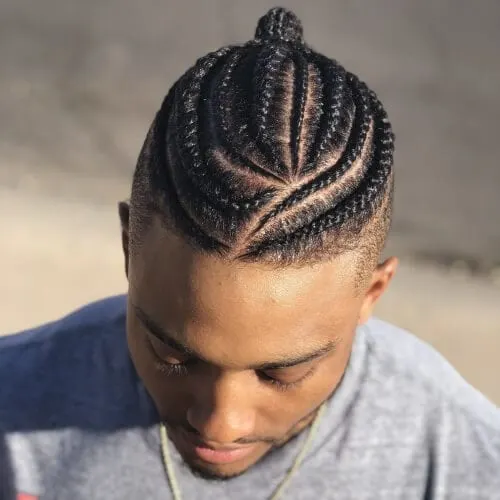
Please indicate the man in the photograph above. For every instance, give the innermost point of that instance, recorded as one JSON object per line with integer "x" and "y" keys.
{"x": 243, "y": 362}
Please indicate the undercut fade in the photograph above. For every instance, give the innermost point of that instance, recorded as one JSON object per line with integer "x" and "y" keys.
{"x": 268, "y": 151}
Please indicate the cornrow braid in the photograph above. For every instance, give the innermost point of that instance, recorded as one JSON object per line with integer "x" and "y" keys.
{"x": 355, "y": 144}
{"x": 265, "y": 81}
{"x": 300, "y": 95}
{"x": 334, "y": 105}
{"x": 269, "y": 151}
{"x": 188, "y": 137}
{"x": 188, "y": 134}
{"x": 233, "y": 137}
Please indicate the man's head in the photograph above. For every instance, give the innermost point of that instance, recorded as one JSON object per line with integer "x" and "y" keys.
{"x": 260, "y": 205}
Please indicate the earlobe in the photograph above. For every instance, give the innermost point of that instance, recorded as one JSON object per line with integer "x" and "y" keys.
{"x": 378, "y": 285}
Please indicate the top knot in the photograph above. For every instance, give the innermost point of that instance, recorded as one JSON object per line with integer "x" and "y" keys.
{"x": 279, "y": 24}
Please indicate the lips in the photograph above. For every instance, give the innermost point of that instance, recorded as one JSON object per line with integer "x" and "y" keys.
{"x": 222, "y": 456}
{"x": 217, "y": 455}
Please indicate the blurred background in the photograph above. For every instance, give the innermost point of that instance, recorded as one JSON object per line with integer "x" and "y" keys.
{"x": 81, "y": 81}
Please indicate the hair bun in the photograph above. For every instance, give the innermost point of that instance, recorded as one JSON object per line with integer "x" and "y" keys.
{"x": 279, "y": 24}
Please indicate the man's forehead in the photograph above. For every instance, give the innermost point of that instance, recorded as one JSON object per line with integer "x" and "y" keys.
{"x": 167, "y": 258}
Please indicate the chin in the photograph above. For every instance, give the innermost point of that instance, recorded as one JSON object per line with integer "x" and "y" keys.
{"x": 214, "y": 474}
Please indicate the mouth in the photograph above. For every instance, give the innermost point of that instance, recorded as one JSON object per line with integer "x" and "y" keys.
{"x": 209, "y": 453}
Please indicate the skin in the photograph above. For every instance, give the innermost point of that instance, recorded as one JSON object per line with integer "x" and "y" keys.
{"x": 235, "y": 320}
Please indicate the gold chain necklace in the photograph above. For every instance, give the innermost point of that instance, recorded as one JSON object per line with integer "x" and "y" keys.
{"x": 172, "y": 479}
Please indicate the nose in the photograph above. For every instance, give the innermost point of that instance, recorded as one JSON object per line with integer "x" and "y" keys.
{"x": 221, "y": 411}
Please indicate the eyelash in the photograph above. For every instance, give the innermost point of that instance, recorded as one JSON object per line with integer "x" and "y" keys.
{"x": 171, "y": 369}
{"x": 168, "y": 369}
{"x": 180, "y": 369}
{"x": 285, "y": 386}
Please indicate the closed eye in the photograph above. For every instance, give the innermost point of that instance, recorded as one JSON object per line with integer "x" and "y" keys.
{"x": 284, "y": 381}
{"x": 166, "y": 353}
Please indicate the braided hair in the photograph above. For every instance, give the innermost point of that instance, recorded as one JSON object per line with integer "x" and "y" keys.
{"x": 268, "y": 151}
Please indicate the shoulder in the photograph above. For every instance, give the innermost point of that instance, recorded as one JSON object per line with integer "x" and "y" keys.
{"x": 88, "y": 318}
{"x": 64, "y": 339}
{"x": 459, "y": 426}
{"x": 59, "y": 369}
{"x": 399, "y": 354}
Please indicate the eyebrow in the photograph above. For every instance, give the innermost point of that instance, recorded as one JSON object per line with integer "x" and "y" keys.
{"x": 167, "y": 339}
{"x": 160, "y": 334}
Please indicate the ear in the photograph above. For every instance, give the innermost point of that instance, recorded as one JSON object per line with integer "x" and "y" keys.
{"x": 381, "y": 278}
{"x": 124, "y": 213}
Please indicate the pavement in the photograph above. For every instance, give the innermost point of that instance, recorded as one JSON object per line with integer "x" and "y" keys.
{"x": 80, "y": 82}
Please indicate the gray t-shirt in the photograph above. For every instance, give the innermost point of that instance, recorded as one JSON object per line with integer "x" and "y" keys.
{"x": 76, "y": 423}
